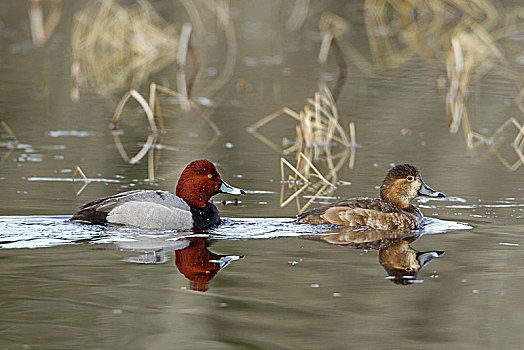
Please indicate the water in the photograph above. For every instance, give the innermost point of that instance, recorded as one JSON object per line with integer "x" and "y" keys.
{"x": 48, "y": 231}
{"x": 259, "y": 280}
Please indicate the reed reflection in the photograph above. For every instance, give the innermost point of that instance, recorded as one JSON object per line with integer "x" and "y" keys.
{"x": 401, "y": 262}
{"x": 192, "y": 257}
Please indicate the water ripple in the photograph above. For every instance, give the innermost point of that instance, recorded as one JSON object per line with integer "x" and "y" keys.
{"x": 47, "y": 231}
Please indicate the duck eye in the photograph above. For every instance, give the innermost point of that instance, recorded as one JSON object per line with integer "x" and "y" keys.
{"x": 210, "y": 175}
{"x": 411, "y": 178}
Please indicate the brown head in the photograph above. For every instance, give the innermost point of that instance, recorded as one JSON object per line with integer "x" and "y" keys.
{"x": 402, "y": 184}
{"x": 403, "y": 263}
{"x": 199, "y": 181}
{"x": 195, "y": 263}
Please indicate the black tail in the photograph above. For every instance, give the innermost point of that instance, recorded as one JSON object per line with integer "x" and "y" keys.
{"x": 90, "y": 216}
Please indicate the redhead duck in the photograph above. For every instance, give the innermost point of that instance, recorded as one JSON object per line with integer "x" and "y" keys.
{"x": 189, "y": 209}
{"x": 391, "y": 212}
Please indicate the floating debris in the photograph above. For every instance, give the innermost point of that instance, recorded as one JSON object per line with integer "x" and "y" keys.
{"x": 72, "y": 133}
{"x": 258, "y": 192}
{"x": 416, "y": 281}
{"x": 74, "y": 180}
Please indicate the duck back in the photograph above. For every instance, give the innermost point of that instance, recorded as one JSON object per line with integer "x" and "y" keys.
{"x": 148, "y": 209}
{"x": 358, "y": 212}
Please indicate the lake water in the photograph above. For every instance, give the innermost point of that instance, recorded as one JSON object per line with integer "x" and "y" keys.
{"x": 260, "y": 281}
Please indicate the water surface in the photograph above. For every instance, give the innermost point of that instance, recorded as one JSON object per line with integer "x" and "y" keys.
{"x": 259, "y": 281}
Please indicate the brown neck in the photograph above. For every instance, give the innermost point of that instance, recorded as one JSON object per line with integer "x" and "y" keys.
{"x": 191, "y": 196}
{"x": 413, "y": 210}
{"x": 398, "y": 201}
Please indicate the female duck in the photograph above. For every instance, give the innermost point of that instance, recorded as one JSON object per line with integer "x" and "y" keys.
{"x": 392, "y": 212}
{"x": 189, "y": 209}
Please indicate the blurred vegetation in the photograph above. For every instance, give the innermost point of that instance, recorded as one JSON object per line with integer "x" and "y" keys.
{"x": 118, "y": 46}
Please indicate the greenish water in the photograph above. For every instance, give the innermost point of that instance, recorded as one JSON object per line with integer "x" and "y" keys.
{"x": 64, "y": 285}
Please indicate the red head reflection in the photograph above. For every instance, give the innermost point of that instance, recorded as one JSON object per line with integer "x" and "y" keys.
{"x": 194, "y": 263}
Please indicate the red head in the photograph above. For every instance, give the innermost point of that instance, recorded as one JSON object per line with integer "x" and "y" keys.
{"x": 199, "y": 182}
{"x": 195, "y": 263}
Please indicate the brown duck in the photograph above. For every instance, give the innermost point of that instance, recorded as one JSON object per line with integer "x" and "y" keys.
{"x": 392, "y": 211}
{"x": 403, "y": 263}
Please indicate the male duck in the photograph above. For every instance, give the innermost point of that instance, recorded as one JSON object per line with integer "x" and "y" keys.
{"x": 392, "y": 212}
{"x": 189, "y": 209}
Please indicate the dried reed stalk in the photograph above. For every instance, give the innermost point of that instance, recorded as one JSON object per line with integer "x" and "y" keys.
{"x": 470, "y": 47}
{"x": 148, "y": 145}
{"x": 331, "y": 26}
{"x": 317, "y": 131}
{"x": 309, "y": 166}
{"x": 75, "y": 81}
{"x": 42, "y": 30}
{"x": 457, "y": 86}
{"x": 148, "y": 108}
{"x": 519, "y": 100}
{"x": 36, "y": 21}
{"x": 117, "y": 47}
{"x": 470, "y": 31}
{"x": 304, "y": 170}
{"x": 295, "y": 194}
{"x": 142, "y": 102}
{"x": 298, "y": 15}
{"x": 10, "y": 132}
{"x": 395, "y": 35}
{"x": 194, "y": 15}
{"x": 318, "y": 125}
{"x": 79, "y": 171}
{"x": 154, "y": 158}
{"x": 10, "y": 147}
{"x": 517, "y": 145}
{"x": 183, "y": 45}
{"x": 221, "y": 10}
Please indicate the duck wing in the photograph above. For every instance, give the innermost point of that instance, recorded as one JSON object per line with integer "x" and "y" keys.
{"x": 374, "y": 213}
{"x": 159, "y": 197}
{"x": 137, "y": 208}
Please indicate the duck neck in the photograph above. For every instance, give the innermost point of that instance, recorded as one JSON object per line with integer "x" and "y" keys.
{"x": 413, "y": 210}
{"x": 399, "y": 201}
{"x": 191, "y": 196}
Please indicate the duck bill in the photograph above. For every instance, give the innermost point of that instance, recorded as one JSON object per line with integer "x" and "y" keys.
{"x": 425, "y": 258}
{"x": 227, "y": 188}
{"x": 427, "y": 191}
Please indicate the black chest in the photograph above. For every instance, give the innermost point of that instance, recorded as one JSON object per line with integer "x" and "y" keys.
{"x": 205, "y": 217}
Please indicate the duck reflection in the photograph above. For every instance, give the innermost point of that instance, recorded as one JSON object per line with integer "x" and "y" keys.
{"x": 397, "y": 257}
{"x": 199, "y": 264}
{"x": 403, "y": 263}
{"x": 192, "y": 257}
